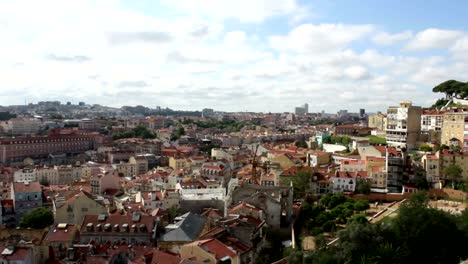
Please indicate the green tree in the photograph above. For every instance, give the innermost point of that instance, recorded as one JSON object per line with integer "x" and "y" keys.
{"x": 180, "y": 132}
{"x": 358, "y": 218}
{"x": 37, "y": 218}
{"x": 361, "y": 205}
{"x": 301, "y": 144}
{"x": 425, "y": 148}
{"x": 363, "y": 186}
{"x": 454, "y": 173}
{"x": 302, "y": 183}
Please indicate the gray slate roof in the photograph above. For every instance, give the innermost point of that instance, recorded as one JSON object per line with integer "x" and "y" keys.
{"x": 186, "y": 228}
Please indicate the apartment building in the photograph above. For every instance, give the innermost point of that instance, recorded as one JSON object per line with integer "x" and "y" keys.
{"x": 431, "y": 165}
{"x": 431, "y": 125}
{"x": 403, "y": 125}
{"x": 26, "y": 196}
{"x": 21, "y": 126}
{"x": 19, "y": 148}
{"x": 448, "y": 157}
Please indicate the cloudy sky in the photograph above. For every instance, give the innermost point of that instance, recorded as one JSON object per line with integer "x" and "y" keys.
{"x": 243, "y": 55}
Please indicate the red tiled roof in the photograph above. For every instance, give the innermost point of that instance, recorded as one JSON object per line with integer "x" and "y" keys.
{"x": 56, "y": 234}
{"x": 163, "y": 257}
{"x": 215, "y": 247}
{"x": 24, "y": 188}
{"x": 432, "y": 112}
{"x": 212, "y": 233}
{"x": 391, "y": 150}
{"x": 19, "y": 253}
{"x": 116, "y": 219}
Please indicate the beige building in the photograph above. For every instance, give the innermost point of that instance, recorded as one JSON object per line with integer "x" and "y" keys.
{"x": 447, "y": 158}
{"x": 179, "y": 163}
{"x": 21, "y": 126}
{"x": 403, "y": 125}
{"x": 209, "y": 251}
{"x": 431, "y": 165}
{"x": 378, "y": 121}
{"x": 454, "y": 126}
{"x": 74, "y": 209}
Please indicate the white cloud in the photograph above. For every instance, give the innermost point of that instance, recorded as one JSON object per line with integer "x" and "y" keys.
{"x": 311, "y": 38}
{"x": 356, "y": 72}
{"x": 460, "y": 48}
{"x": 384, "y": 38}
{"x": 190, "y": 59}
{"x": 433, "y": 38}
{"x": 246, "y": 11}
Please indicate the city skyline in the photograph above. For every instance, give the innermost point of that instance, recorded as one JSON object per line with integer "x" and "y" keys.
{"x": 258, "y": 56}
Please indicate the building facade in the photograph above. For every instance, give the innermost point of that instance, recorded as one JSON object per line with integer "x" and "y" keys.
{"x": 19, "y": 148}
{"x": 403, "y": 125}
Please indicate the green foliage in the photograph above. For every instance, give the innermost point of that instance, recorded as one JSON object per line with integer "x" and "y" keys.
{"x": 375, "y": 140}
{"x": 301, "y": 183}
{"x": 342, "y": 140}
{"x": 358, "y": 218}
{"x": 301, "y": 144}
{"x": 330, "y": 210}
{"x": 363, "y": 186}
{"x": 56, "y": 116}
{"x": 452, "y": 88}
{"x": 37, "y": 218}
{"x": 453, "y": 172}
{"x": 361, "y": 205}
{"x": 408, "y": 238}
{"x": 227, "y": 125}
{"x": 443, "y": 146}
{"x": 425, "y": 148}
{"x": 439, "y": 103}
{"x": 6, "y": 116}
{"x": 139, "y": 132}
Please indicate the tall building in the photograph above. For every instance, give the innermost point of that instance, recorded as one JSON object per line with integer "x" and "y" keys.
{"x": 207, "y": 113}
{"x": 403, "y": 125}
{"x": 21, "y": 126}
{"x": 302, "y": 110}
{"x": 362, "y": 113}
{"x": 454, "y": 128}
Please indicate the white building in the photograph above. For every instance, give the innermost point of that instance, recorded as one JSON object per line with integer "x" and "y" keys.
{"x": 21, "y": 126}
{"x": 432, "y": 120}
{"x": 403, "y": 125}
{"x": 24, "y": 175}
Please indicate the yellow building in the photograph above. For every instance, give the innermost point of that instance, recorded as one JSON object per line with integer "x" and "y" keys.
{"x": 378, "y": 121}
{"x": 74, "y": 209}
{"x": 453, "y": 125}
{"x": 286, "y": 161}
{"x": 179, "y": 163}
{"x": 209, "y": 251}
{"x": 447, "y": 158}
